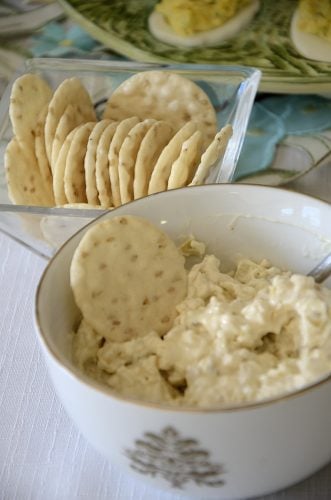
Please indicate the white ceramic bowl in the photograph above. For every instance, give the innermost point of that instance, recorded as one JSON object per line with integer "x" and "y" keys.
{"x": 234, "y": 452}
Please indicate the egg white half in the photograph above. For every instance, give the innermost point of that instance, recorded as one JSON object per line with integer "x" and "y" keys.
{"x": 309, "y": 45}
{"x": 160, "y": 29}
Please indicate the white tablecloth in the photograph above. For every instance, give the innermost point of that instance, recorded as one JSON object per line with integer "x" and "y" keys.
{"x": 42, "y": 456}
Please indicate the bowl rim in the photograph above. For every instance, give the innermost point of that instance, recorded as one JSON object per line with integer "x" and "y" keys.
{"x": 89, "y": 383}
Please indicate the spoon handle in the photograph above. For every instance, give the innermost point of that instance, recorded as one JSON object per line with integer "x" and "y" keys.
{"x": 322, "y": 271}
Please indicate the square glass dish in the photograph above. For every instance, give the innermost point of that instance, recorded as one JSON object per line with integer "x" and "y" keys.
{"x": 231, "y": 90}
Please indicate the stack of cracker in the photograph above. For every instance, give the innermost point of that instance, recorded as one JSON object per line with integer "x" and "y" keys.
{"x": 158, "y": 132}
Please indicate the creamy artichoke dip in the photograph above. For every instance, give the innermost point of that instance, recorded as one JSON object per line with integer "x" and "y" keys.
{"x": 256, "y": 333}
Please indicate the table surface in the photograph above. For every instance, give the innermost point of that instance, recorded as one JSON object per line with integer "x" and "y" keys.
{"x": 42, "y": 455}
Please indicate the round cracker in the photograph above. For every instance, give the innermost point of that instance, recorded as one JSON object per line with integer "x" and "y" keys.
{"x": 184, "y": 167}
{"x": 69, "y": 120}
{"x": 156, "y": 138}
{"x": 59, "y": 169}
{"x": 127, "y": 278}
{"x": 24, "y": 182}
{"x": 40, "y": 152}
{"x": 127, "y": 158}
{"x": 29, "y": 95}
{"x": 74, "y": 173}
{"x": 70, "y": 91}
{"x": 160, "y": 175}
{"x": 166, "y": 96}
{"x": 102, "y": 168}
{"x": 90, "y": 162}
{"x": 214, "y": 153}
{"x": 122, "y": 131}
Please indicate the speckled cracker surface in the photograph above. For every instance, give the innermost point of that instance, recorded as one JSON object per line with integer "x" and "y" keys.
{"x": 150, "y": 149}
{"x": 90, "y": 161}
{"x": 74, "y": 173}
{"x": 29, "y": 95}
{"x": 25, "y": 184}
{"x": 70, "y": 91}
{"x": 127, "y": 158}
{"x": 70, "y": 119}
{"x": 184, "y": 167}
{"x": 160, "y": 175}
{"x": 164, "y": 96}
{"x": 121, "y": 132}
{"x": 213, "y": 153}
{"x": 101, "y": 167}
{"x": 41, "y": 156}
{"x": 59, "y": 169}
{"x": 127, "y": 277}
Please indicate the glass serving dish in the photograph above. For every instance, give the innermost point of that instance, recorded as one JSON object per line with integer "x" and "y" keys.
{"x": 231, "y": 89}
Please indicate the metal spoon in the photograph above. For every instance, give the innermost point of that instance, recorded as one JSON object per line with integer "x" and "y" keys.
{"x": 322, "y": 271}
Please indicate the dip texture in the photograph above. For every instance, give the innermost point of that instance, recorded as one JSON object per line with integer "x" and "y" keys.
{"x": 256, "y": 333}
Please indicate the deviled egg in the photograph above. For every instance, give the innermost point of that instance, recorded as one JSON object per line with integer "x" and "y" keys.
{"x": 196, "y": 23}
{"x": 311, "y": 29}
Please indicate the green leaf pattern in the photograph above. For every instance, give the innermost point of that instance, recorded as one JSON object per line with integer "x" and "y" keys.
{"x": 264, "y": 44}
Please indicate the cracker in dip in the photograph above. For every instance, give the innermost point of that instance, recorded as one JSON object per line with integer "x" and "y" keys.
{"x": 256, "y": 333}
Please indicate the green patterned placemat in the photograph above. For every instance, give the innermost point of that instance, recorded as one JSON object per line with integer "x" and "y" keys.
{"x": 265, "y": 44}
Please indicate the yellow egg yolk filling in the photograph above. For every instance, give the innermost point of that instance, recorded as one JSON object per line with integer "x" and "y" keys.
{"x": 315, "y": 17}
{"x": 188, "y": 17}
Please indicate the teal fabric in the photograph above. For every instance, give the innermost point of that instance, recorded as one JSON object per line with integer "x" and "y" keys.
{"x": 274, "y": 118}
{"x": 54, "y": 40}
{"x": 301, "y": 114}
{"x": 265, "y": 130}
